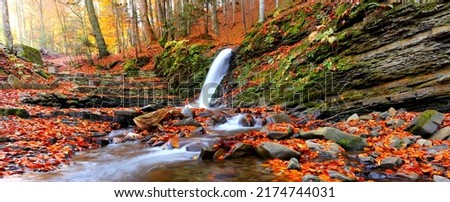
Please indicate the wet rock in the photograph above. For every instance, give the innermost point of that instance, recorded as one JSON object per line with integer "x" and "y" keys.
{"x": 188, "y": 122}
{"x": 279, "y": 118}
{"x": 216, "y": 120}
{"x": 347, "y": 141}
{"x": 424, "y": 143}
{"x": 240, "y": 150}
{"x": 340, "y": 176}
{"x": 102, "y": 141}
{"x": 206, "y": 153}
{"x": 368, "y": 160}
{"x": 186, "y": 111}
{"x": 281, "y": 132}
{"x": 195, "y": 147}
{"x": 332, "y": 150}
{"x": 311, "y": 178}
{"x": 154, "y": 119}
{"x": 442, "y": 134}
{"x": 158, "y": 144}
{"x": 198, "y": 131}
{"x": 426, "y": 123}
{"x": 293, "y": 164}
{"x": 353, "y": 118}
{"x": 219, "y": 154}
{"x": 270, "y": 150}
{"x": 437, "y": 178}
{"x": 391, "y": 162}
{"x": 411, "y": 176}
{"x": 392, "y": 112}
{"x": 247, "y": 121}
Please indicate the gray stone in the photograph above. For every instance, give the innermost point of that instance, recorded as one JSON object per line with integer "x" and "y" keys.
{"x": 353, "y": 130}
{"x": 353, "y": 117}
{"x": 186, "y": 111}
{"x": 14, "y": 82}
{"x": 331, "y": 152}
{"x": 442, "y": 134}
{"x": 247, "y": 121}
{"x": 188, "y": 122}
{"x": 398, "y": 123}
{"x": 311, "y": 178}
{"x": 390, "y": 122}
{"x": 397, "y": 143}
{"x": 367, "y": 160}
{"x": 340, "y": 176}
{"x": 411, "y": 176}
{"x": 392, "y": 112}
{"x": 216, "y": 120}
{"x": 293, "y": 164}
{"x": 241, "y": 149}
{"x": 279, "y": 118}
{"x": 278, "y": 134}
{"x": 52, "y": 69}
{"x": 271, "y": 150}
{"x": 347, "y": 141}
{"x": 366, "y": 117}
{"x": 426, "y": 123}
{"x": 391, "y": 162}
{"x": 206, "y": 153}
{"x": 195, "y": 147}
{"x": 424, "y": 143}
{"x": 437, "y": 178}
{"x": 384, "y": 115}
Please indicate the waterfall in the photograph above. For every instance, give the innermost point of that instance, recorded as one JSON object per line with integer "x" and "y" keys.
{"x": 215, "y": 75}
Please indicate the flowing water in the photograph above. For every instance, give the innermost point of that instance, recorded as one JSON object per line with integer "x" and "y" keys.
{"x": 218, "y": 70}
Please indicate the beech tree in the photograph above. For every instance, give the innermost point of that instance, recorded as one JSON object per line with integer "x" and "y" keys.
{"x": 6, "y": 27}
{"x": 101, "y": 45}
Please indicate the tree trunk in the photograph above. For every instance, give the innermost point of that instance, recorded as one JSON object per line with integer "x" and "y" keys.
{"x": 101, "y": 45}
{"x": 135, "y": 29}
{"x": 206, "y": 24}
{"x": 233, "y": 10}
{"x": 150, "y": 12}
{"x": 117, "y": 25}
{"x": 261, "y": 11}
{"x": 277, "y": 3}
{"x": 143, "y": 11}
{"x": 214, "y": 18}
{"x": 243, "y": 16}
{"x": 6, "y": 26}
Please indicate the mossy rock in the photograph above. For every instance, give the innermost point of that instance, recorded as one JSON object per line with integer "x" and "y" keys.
{"x": 31, "y": 54}
{"x": 426, "y": 123}
{"x": 43, "y": 74}
{"x": 14, "y": 112}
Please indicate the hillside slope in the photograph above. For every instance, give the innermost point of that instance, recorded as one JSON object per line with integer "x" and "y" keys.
{"x": 342, "y": 57}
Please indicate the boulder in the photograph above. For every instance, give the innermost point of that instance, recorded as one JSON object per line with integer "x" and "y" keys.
{"x": 14, "y": 82}
{"x": 391, "y": 162}
{"x": 424, "y": 143}
{"x": 247, "y": 121}
{"x": 437, "y": 178}
{"x": 347, "y": 141}
{"x": 340, "y": 176}
{"x": 392, "y": 112}
{"x": 426, "y": 123}
{"x": 353, "y": 117}
{"x": 442, "y": 134}
{"x": 384, "y": 115}
{"x": 293, "y": 164}
{"x": 330, "y": 151}
{"x": 366, "y": 117}
{"x": 14, "y": 112}
{"x": 278, "y": 131}
{"x": 216, "y": 120}
{"x": 271, "y": 150}
{"x": 154, "y": 119}
{"x": 31, "y": 54}
{"x": 188, "y": 122}
{"x": 311, "y": 178}
{"x": 206, "y": 153}
{"x": 410, "y": 176}
{"x": 187, "y": 112}
{"x": 279, "y": 118}
{"x": 241, "y": 149}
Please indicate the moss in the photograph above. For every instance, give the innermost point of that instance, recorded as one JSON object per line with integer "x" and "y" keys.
{"x": 43, "y": 74}
{"x": 31, "y": 54}
{"x": 14, "y": 112}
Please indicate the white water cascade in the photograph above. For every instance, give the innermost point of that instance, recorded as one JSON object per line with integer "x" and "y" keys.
{"x": 215, "y": 75}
